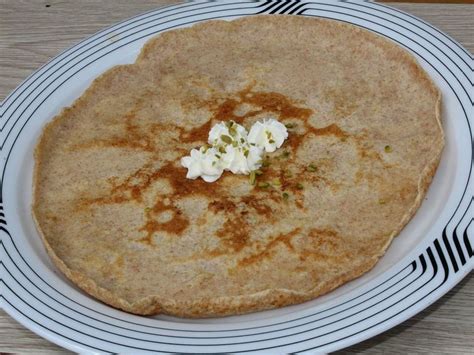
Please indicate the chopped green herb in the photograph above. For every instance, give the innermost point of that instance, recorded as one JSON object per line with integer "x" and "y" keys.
{"x": 269, "y": 134}
{"x": 217, "y": 156}
{"x": 299, "y": 186}
{"x": 252, "y": 178}
{"x": 252, "y": 144}
{"x": 276, "y": 182}
{"x": 266, "y": 163}
{"x": 258, "y": 172}
{"x": 242, "y": 140}
{"x": 246, "y": 153}
{"x": 221, "y": 150}
{"x": 290, "y": 125}
{"x": 287, "y": 174}
{"x": 382, "y": 202}
{"x": 226, "y": 139}
{"x": 388, "y": 149}
{"x": 285, "y": 195}
{"x": 271, "y": 141}
{"x": 285, "y": 154}
{"x": 214, "y": 163}
{"x": 147, "y": 209}
{"x": 234, "y": 143}
{"x": 263, "y": 185}
{"x": 232, "y": 131}
{"x": 312, "y": 168}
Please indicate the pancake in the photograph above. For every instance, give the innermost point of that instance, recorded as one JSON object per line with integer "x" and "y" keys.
{"x": 119, "y": 218}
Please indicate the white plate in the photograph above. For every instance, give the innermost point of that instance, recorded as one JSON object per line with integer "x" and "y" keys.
{"x": 431, "y": 255}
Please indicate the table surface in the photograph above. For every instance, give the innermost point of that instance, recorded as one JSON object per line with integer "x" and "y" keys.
{"x": 32, "y": 32}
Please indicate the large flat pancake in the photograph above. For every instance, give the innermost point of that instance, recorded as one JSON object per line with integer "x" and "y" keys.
{"x": 119, "y": 218}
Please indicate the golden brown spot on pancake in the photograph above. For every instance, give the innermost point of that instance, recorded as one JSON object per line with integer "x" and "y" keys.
{"x": 258, "y": 205}
{"x": 275, "y": 103}
{"x": 234, "y": 234}
{"x": 225, "y": 109}
{"x": 333, "y": 129}
{"x": 198, "y": 134}
{"x": 222, "y": 205}
{"x": 295, "y": 138}
{"x": 267, "y": 249}
{"x": 176, "y": 225}
{"x": 321, "y": 243}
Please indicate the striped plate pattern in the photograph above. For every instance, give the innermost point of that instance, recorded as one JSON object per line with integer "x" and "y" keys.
{"x": 35, "y": 294}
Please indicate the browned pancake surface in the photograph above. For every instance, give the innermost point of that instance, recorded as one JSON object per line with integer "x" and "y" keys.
{"x": 120, "y": 219}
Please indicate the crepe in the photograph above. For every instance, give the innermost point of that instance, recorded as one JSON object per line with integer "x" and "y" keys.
{"x": 121, "y": 221}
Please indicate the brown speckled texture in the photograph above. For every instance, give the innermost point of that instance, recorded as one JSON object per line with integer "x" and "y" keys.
{"x": 120, "y": 219}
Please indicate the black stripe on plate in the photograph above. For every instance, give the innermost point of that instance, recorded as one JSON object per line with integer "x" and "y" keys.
{"x": 292, "y": 5}
{"x": 272, "y": 5}
{"x": 467, "y": 243}
{"x": 281, "y": 4}
{"x": 455, "y": 235}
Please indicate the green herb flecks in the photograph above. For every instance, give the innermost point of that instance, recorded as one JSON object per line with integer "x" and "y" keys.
{"x": 299, "y": 186}
{"x": 276, "y": 182}
{"x": 226, "y": 139}
{"x": 252, "y": 177}
{"x": 285, "y": 195}
{"x": 388, "y": 149}
{"x": 263, "y": 185}
{"x": 232, "y": 131}
{"x": 312, "y": 168}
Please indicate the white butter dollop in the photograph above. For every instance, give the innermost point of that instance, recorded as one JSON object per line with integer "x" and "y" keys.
{"x": 269, "y": 134}
{"x": 233, "y": 149}
{"x": 203, "y": 163}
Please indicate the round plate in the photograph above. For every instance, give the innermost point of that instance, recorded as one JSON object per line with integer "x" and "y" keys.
{"x": 431, "y": 255}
